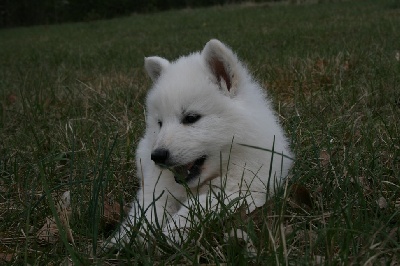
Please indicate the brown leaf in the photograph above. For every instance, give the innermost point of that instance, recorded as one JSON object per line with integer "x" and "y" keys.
{"x": 7, "y": 257}
{"x": 324, "y": 158}
{"x": 393, "y": 234}
{"x": 382, "y": 203}
{"x": 48, "y": 234}
{"x": 320, "y": 64}
{"x": 11, "y": 98}
{"x": 345, "y": 65}
{"x": 288, "y": 230}
{"x": 112, "y": 211}
{"x": 319, "y": 189}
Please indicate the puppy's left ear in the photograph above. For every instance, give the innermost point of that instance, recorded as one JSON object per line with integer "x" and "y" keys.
{"x": 222, "y": 63}
{"x": 154, "y": 66}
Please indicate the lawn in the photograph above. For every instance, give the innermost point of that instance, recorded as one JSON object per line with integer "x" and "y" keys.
{"x": 71, "y": 115}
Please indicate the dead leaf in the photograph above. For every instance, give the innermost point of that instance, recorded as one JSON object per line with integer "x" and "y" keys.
{"x": 11, "y": 98}
{"x": 345, "y": 66}
{"x": 288, "y": 229}
{"x": 319, "y": 189}
{"x": 112, "y": 211}
{"x": 320, "y": 64}
{"x": 393, "y": 234}
{"x": 324, "y": 158}
{"x": 397, "y": 55}
{"x": 382, "y": 203}
{"x": 7, "y": 257}
{"x": 49, "y": 233}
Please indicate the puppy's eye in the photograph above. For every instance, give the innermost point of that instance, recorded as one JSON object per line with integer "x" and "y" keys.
{"x": 190, "y": 119}
{"x": 159, "y": 123}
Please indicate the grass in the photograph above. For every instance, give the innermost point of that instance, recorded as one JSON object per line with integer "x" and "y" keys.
{"x": 71, "y": 115}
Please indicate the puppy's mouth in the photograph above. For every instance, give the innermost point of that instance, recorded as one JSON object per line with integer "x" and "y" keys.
{"x": 188, "y": 172}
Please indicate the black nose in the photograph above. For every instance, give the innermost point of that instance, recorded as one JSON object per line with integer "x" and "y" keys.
{"x": 160, "y": 156}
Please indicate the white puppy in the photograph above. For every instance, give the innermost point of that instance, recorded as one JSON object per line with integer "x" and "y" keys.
{"x": 200, "y": 111}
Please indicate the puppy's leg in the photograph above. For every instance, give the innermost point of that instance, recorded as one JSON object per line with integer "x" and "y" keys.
{"x": 195, "y": 209}
{"x": 150, "y": 210}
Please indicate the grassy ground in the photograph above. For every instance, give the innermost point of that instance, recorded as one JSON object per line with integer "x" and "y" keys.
{"x": 71, "y": 115}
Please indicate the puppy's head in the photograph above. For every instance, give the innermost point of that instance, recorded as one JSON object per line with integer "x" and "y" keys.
{"x": 193, "y": 112}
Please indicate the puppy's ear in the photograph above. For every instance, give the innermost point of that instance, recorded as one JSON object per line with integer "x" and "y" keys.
{"x": 222, "y": 63}
{"x": 154, "y": 66}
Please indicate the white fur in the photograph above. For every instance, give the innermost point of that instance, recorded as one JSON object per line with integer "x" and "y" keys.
{"x": 234, "y": 110}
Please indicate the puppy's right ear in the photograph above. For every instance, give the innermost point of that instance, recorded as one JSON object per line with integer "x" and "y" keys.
{"x": 154, "y": 66}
